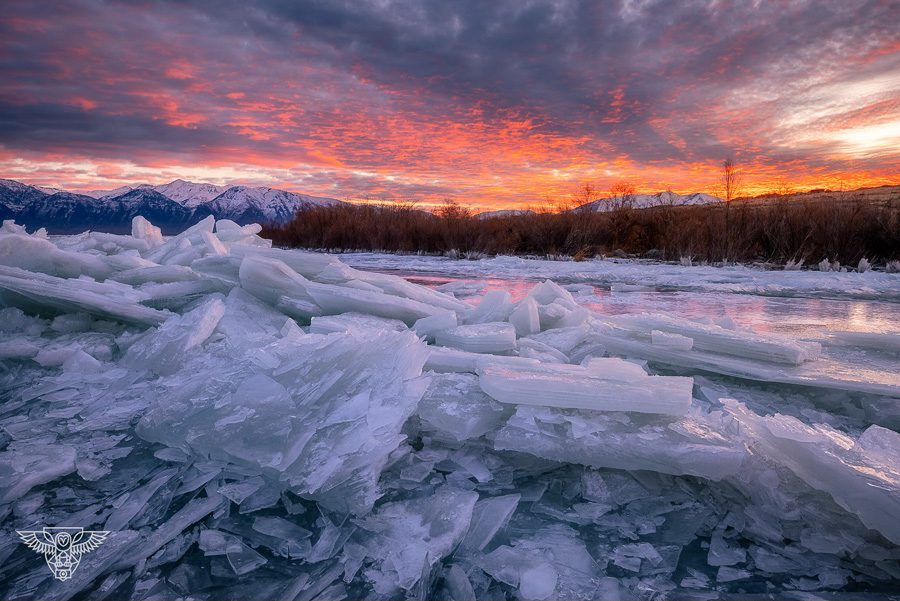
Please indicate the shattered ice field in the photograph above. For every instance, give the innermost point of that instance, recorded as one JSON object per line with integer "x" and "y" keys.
{"x": 256, "y": 423}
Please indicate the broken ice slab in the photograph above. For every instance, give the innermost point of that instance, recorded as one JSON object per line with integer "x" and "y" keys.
{"x": 675, "y": 342}
{"x": 454, "y": 405}
{"x": 142, "y": 229}
{"x": 306, "y": 264}
{"x": 690, "y": 445}
{"x": 24, "y": 467}
{"x": 344, "y": 275}
{"x": 408, "y": 538}
{"x": 276, "y": 283}
{"x": 716, "y": 339}
{"x": 340, "y": 299}
{"x": 479, "y": 338}
{"x": 345, "y": 321}
{"x": 577, "y": 387}
{"x": 552, "y": 563}
{"x": 321, "y": 422}
{"x": 489, "y": 516}
{"x": 33, "y": 291}
{"x": 134, "y": 502}
{"x": 164, "y": 350}
{"x": 861, "y": 476}
{"x": 822, "y": 373}
{"x": 494, "y": 306}
{"x": 525, "y": 317}
{"x": 242, "y": 558}
{"x": 269, "y": 280}
{"x": 876, "y": 341}
{"x": 442, "y": 359}
{"x": 429, "y": 326}
{"x": 42, "y": 256}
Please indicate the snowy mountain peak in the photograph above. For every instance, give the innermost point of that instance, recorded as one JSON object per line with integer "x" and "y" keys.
{"x": 645, "y": 201}
{"x": 190, "y": 194}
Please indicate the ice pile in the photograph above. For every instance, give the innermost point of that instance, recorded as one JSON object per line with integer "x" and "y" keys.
{"x": 257, "y": 423}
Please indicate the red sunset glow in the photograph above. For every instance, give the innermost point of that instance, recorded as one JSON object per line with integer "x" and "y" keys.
{"x": 493, "y": 105}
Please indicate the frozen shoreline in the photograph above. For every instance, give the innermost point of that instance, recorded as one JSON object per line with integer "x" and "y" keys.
{"x": 662, "y": 276}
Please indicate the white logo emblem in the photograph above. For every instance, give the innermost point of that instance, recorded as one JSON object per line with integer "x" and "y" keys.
{"x": 63, "y": 547}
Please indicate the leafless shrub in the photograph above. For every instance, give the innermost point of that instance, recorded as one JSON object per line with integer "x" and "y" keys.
{"x": 775, "y": 231}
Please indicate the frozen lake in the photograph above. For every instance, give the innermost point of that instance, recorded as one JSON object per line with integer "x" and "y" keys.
{"x": 256, "y": 423}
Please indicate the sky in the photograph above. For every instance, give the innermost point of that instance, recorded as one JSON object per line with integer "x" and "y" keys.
{"x": 491, "y": 103}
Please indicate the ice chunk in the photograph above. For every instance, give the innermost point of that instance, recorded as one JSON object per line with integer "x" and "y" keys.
{"x": 862, "y": 482}
{"x": 713, "y": 338}
{"x": 673, "y": 341}
{"x": 18, "y": 348}
{"x": 410, "y": 537}
{"x": 455, "y": 405}
{"x": 721, "y": 553}
{"x": 338, "y": 299}
{"x": 39, "y": 255}
{"x": 346, "y": 321}
{"x": 576, "y": 387}
{"x": 21, "y": 469}
{"x": 525, "y": 317}
{"x": 452, "y": 360}
{"x": 882, "y": 342}
{"x": 489, "y": 516}
{"x": 494, "y": 306}
{"x": 551, "y": 555}
{"x": 164, "y": 350}
{"x": 690, "y": 445}
{"x": 144, "y": 230}
{"x": 322, "y": 423}
{"x": 242, "y": 558}
{"x": 270, "y": 280}
{"x": 35, "y": 291}
{"x": 538, "y": 581}
{"x": 429, "y": 326}
{"x": 479, "y": 338}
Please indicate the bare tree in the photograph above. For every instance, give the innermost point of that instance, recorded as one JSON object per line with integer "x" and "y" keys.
{"x": 731, "y": 179}
{"x": 621, "y": 196}
{"x": 584, "y": 195}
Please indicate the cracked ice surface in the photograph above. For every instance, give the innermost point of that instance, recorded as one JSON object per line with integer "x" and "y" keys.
{"x": 258, "y": 423}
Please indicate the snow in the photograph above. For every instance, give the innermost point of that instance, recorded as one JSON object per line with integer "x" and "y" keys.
{"x": 256, "y": 422}
{"x": 645, "y": 201}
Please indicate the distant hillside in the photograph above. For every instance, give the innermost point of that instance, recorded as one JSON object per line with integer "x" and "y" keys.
{"x": 173, "y": 206}
{"x": 646, "y": 201}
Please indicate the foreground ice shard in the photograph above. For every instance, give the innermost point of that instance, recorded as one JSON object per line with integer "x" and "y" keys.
{"x": 321, "y": 423}
{"x": 862, "y": 476}
{"x": 604, "y": 385}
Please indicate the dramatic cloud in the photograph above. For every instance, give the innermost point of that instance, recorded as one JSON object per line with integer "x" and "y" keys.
{"x": 491, "y": 103}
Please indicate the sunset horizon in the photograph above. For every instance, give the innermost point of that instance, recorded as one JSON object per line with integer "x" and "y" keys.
{"x": 494, "y": 107}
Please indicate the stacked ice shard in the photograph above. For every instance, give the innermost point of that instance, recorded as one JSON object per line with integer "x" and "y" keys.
{"x": 258, "y": 423}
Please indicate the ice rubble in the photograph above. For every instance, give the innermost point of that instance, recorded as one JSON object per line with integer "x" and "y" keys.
{"x": 253, "y": 422}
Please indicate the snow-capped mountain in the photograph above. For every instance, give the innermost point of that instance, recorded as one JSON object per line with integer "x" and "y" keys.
{"x": 63, "y": 212}
{"x": 172, "y": 206}
{"x": 646, "y": 201}
{"x": 190, "y": 194}
{"x": 161, "y": 210}
{"x": 109, "y": 193}
{"x": 14, "y": 196}
{"x": 503, "y": 213}
{"x": 247, "y": 205}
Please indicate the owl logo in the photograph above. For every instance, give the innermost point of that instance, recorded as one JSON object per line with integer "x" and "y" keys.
{"x": 63, "y": 547}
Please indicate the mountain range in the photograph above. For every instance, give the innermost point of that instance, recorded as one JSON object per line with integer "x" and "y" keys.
{"x": 173, "y": 206}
